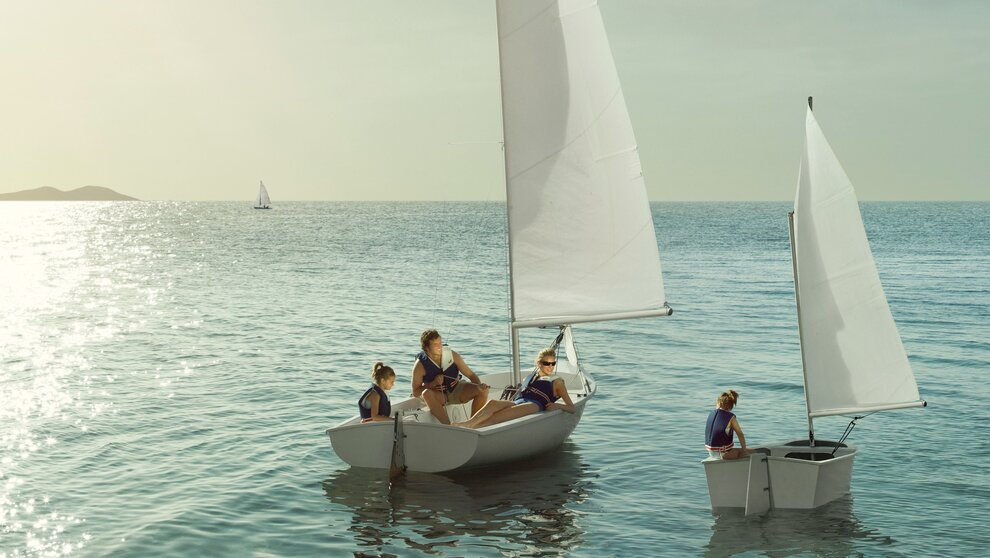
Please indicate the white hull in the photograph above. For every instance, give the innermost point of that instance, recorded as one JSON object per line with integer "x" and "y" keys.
{"x": 778, "y": 481}
{"x": 432, "y": 447}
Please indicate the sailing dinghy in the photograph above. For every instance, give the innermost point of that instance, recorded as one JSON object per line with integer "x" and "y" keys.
{"x": 262, "y": 201}
{"x": 582, "y": 247}
{"x": 853, "y": 359}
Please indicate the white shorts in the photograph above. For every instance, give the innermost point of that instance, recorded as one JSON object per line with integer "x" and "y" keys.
{"x": 716, "y": 454}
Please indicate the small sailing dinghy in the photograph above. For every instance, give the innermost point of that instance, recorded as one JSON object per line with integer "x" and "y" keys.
{"x": 854, "y": 362}
{"x": 582, "y": 246}
{"x": 262, "y": 201}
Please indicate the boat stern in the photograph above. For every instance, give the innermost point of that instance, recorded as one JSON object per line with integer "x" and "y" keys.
{"x": 797, "y": 476}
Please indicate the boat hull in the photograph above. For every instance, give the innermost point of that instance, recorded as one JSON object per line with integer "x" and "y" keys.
{"x": 794, "y": 479}
{"x": 432, "y": 447}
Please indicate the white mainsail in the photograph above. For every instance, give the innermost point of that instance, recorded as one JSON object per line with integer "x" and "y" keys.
{"x": 582, "y": 245}
{"x": 853, "y": 357}
{"x": 262, "y": 200}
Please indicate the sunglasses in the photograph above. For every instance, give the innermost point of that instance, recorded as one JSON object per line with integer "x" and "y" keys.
{"x": 548, "y": 363}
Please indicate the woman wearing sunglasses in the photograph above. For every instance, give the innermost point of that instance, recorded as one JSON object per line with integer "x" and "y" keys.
{"x": 542, "y": 393}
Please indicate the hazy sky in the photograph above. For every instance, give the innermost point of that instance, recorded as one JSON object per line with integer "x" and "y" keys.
{"x": 398, "y": 99}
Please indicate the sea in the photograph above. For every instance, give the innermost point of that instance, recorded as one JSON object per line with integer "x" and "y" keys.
{"x": 168, "y": 371}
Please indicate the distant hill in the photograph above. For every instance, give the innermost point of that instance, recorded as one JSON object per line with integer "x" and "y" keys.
{"x": 86, "y": 193}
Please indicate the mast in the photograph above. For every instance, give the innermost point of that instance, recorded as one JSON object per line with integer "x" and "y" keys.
{"x": 797, "y": 303}
{"x": 797, "y": 300}
{"x": 513, "y": 332}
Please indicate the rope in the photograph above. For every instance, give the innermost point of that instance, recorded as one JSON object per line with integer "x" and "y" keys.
{"x": 846, "y": 433}
{"x": 436, "y": 280}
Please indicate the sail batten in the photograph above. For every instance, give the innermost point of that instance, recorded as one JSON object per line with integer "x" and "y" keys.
{"x": 581, "y": 235}
{"x": 852, "y": 352}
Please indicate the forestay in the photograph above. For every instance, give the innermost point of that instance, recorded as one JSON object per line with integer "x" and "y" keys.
{"x": 853, "y": 356}
{"x": 582, "y": 245}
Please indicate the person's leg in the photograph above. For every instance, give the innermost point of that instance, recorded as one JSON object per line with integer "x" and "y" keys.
{"x": 513, "y": 412}
{"x": 474, "y": 393}
{"x": 488, "y": 410}
{"x": 436, "y": 401}
{"x": 735, "y": 453}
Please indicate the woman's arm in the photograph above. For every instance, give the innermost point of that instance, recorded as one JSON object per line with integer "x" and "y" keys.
{"x": 734, "y": 424}
{"x": 560, "y": 390}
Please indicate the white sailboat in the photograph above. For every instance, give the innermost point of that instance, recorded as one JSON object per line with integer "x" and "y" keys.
{"x": 262, "y": 201}
{"x": 576, "y": 199}
{"x": 853, "y": 359}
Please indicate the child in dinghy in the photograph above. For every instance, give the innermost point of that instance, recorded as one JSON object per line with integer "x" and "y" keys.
{"x": 720, "y": 426}
{"x": 374, "y": 404}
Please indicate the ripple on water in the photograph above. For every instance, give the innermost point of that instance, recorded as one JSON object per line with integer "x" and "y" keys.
{"x": 167, "y": 371}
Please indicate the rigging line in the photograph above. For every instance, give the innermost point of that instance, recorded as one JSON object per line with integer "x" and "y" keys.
{"x": 436, "y": 266}
{"x": 444, "y": 322}
{"x": 507, "y": 276}
{"x": 847, "y": 432}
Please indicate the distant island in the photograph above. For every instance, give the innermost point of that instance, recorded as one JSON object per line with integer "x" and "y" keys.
{"x": 86, "y": 193}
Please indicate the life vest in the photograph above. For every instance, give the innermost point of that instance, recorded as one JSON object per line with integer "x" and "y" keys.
{"x": 718, "y": 433}
{"x": 384, "y": 405}
{"x": 451, "y": 374}
{"x": 539, "y": 390}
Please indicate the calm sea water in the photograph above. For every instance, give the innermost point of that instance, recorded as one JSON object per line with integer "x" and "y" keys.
{"x": 167, "y": 371}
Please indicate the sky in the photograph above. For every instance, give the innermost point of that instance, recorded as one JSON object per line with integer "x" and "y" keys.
{"x": 399, "y": 99}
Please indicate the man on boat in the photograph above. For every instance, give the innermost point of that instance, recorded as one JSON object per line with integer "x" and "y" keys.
{"x": 437, "y": 377}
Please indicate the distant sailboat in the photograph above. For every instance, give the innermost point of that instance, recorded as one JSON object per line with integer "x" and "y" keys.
{"x": 262, "y": 201}
{"x": 853, "y": 359}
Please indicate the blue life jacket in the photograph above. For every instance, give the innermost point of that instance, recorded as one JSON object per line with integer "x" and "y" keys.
{"x": 451, "y": 375}
{"x": 539, "y": 390}
{"x": 718, "y": 435}
{"x": 384, "y": 405}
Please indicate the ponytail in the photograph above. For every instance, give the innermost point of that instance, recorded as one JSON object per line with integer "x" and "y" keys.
{"x": 380, "y": 372}
{"x": 727, "y": 400}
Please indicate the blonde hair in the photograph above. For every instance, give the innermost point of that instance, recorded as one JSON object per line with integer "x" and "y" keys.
{"x": 380, "y": 372}
{"x": 727, "y": 400}
{"x": 549, "y": 351}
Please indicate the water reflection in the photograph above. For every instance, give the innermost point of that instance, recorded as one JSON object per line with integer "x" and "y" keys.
{"x": 524, "y": 508}
{"x": 831, "y": 530}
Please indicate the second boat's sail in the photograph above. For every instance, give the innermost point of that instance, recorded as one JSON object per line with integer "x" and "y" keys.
{"x": 853, "y": 357}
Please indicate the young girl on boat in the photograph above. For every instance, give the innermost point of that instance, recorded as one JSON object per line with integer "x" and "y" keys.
{"x": 720, "y": 426}
{"x": 374, "y": 404}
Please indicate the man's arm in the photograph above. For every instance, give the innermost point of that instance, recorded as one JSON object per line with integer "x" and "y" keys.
{"x": 464, "y": 368}
{"x": 417, "y": 379}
